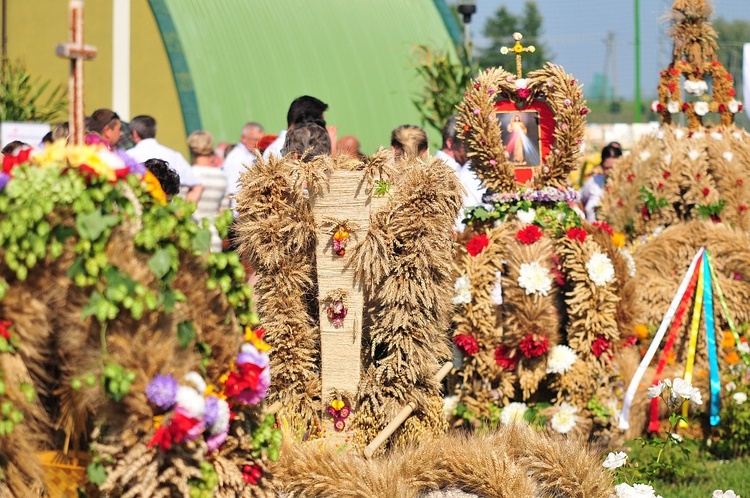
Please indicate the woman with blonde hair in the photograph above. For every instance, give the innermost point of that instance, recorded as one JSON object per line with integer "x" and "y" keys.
{"x": 201, "y": 145}
{"x": 409, "y": 141}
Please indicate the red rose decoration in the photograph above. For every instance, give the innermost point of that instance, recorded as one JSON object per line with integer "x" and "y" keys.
{"x": 603, "y": 225}
{"x": 731, "y": 92}
{"x": 506, "y": 358}
{"x": 467, "y": 344}
{"x": 246, "y": 377}
{"x": 729, "y": 76}
{"x": 666, "y": 174}
{"x": 524, "y": 93}
{"x": 722, "y": 108}
{"x": 600, "y": 345}
{"x": 660, "y": 186}
{"x": 674, "y": 72}
{"x": 584, "y": 111}
{"x": 529, "y": 234}
{"x": 742, "y": 208}
{"x": 477, "y": 244}
{"x": 11, "y": 161}
{"x": 578, "y": 234}
{"x": 672, "y": 86}
{"x": 685, "y": 106}
{"x": 534, "y": 345}
{"x": 705, "y": 192}
{"x": 5, "y": 329}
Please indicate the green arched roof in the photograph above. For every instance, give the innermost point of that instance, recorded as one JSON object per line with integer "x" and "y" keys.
{"x": 237, "y": 60}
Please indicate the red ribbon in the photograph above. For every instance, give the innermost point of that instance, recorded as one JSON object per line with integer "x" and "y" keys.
{"x": 653, "y": 425}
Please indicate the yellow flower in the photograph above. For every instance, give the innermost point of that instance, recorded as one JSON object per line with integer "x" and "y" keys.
{"x": 641, "y": 331}
{"x": 732, "y": 358}
{"x": 223, "y": 379}
{"x": 252, "y": 338}
{"x": 728, "y": 340}
{"x": 153, "y": 187}
{"x": 52, "y": 155}
{"x": 518, "y": 48}
{"x": 618, "y": 239}
{"x": 157, "y": 421}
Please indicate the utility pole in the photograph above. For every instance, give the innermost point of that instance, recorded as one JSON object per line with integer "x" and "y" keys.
{"x": 637, "y": 108}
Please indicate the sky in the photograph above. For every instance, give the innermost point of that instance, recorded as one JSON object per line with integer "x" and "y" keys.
{"x": 575, "y": 31}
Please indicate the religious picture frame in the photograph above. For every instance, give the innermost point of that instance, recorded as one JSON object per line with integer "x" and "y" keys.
{"x": 521, "y": 137}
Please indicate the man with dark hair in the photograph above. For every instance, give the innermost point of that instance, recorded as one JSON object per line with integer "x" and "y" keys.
{"x": 143, "y": 130}
{"x": 307, "y": 141}
{"x": 242, "y": 155}
{"x": 453, "y": 153}
{"x": 107, "y": 125}
{"x": 302, "y": 110}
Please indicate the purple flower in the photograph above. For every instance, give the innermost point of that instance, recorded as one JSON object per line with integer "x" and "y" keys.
{"x": 134, "y": 166}
{"x": 215, "y": 441}
{"x": 162, "y": 391}
{"x": 211, "y": 411}
{"x": 249, "y": 354}
{"x": 255, "y": 396}
{"x": 4, "y": 179}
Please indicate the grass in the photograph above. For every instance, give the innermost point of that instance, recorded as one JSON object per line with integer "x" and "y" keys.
{"x": 700, "y": 471}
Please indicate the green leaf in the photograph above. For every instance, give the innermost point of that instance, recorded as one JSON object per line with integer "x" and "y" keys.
{"x": 76, "y": 268}
{"x": 94, "y": 305}
{"x": 160, "y": 263}
{"x": 202, "y": 241}
{"x": 480, "y": 214}
{"x": 90, "y": 226}
{"x": 185, "y": 333}
{"x": 382, "y": 187}
{"x": 96, "y": 473}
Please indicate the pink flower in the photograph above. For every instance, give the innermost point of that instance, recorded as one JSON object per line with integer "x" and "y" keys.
{"x": 524, "y": 93}
{"x": 477, "y": 110}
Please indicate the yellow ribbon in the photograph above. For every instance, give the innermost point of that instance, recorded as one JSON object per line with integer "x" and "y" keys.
{"x": 694, "y": 327}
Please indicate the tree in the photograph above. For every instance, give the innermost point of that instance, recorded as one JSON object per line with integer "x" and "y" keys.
{"x": 500, "y": 28}
{"x": 22, "y": 99}
{"x": 731, "y": 38}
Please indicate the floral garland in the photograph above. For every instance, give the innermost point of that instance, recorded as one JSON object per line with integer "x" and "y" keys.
{"x": 722, "y": 100}
{"x": 478, "y": 126}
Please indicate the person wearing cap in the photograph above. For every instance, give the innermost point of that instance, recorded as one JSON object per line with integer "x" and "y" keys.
{"x": 143, "y": 130}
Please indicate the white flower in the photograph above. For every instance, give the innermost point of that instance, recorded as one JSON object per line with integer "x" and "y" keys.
{"x": 717, "y": 136}
{"x": 695, "y": 88}
{"x": 522, "y": 83}
{"x": 660, "y": 135}
{"x": 635, "y": 491}
{"x": 737, "y": 135}
{"x": 629, "y": 261}
{"x": 739, "y": 397}
{"x": 534, "y": 278}
{"x": 733, "y": 106}
{"x": 526, "y": 216}
{"x": 513, "y": 412}
{"x": 561, "y": 359}
{"x": 701, "y": 108}
{"x": 667, "y": 158}
{"x": 565, "y": 418}
{"x": 222, "y": 418}
{"x": 743, "y": 347}
{"x": 730, "y": 386}
{"x": 645, "y": 155}
{"x": 673, "y": 106}
{"x": 504, "y": 50}
{"x": 694, "y": 155}
{"x": 615, "y": 460}
{"x": 724, "y": 494}
{"x": 676, "y": 437}
{"x": 191, "y": 401}
{"x": 683, "y": 389}
{"x": 600, "y": 269}
{"x": 655, "y": 106}
{"x": 728, "y": 156}
{"x": 678, "y": 134}
{"x": 517, "y": 36}
{"x": 195, "y": 380}
{"x": 463, "y": 290}
{"x": 497, "y": 289}
{"x": 449, "y": 405}
{"x": 698, "y": 135}
{"x": 655, "y": 391}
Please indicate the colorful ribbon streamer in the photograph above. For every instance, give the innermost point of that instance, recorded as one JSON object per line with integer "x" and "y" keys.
{"x": 713, "y": 362}
{"x": 694, "y": 329}
{"x": 633, "y": 387}
{"x": 728, "y": 316}
{"x": 653, "y": 425}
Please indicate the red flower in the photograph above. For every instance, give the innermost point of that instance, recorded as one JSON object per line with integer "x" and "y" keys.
{"x": 672, "y": 86}
{"x": 529, "y": 234}
{"x": 736, "y": 276}
{"x": 729, "y": 76}
{"x": 5, "y": 329}
{"x": 666, "y": 174}
{"x": 645, "y": 213}
{"x": 742, "y": 208}
{"x": 534, "y": 345}
{"x": 660, "y": 186}
{"x": 578, "y": 234}
{"x": 466, "y": 343}
{"x": 630, "y": 177}
{"x": 674, "y": 72}
{"x": 523, "y": 93}
{"x": 731, "y": 92}
{"x": 739, "y": 107}
{"x": 698, "y": 176}
{"x": 477, "y": 86}
{"x": 620, "y": 203}
{"x": 251, "y": 474}
{"x": 12, "y": 160}
{"x": 162, "y": 438}
{"x": 477, "y": 244}
{"x": 722, "y": 108}
{"x": 685, "y": 106}
{"x": 584, "y": 111}
{"x": 630, "y": 341}
{"x": 739, "y": 182}
{"x": 603, "y": 225}
{"x": 716, "y": 63}
{"x": 559, "y": 277}
{"x": 715, "y": 218}
{"x": 506, "y": 358}
{"x": 600, "y": 345}
{"x": 176, "y": 431}
{"x": 245, "y": 378}
{"x": 705, "y": 191}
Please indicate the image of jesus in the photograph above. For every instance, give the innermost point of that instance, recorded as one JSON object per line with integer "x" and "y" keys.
{"x": 517, "y": 131}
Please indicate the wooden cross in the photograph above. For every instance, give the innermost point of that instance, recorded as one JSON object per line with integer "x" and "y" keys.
{"x": 77, "y": 52}
{"x": 518, "y": 49}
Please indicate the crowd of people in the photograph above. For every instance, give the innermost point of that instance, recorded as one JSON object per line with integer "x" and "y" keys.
{"x": 211, "y": 179}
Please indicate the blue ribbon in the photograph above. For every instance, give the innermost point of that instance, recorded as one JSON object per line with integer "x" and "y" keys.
{"x": 713, "y": 363}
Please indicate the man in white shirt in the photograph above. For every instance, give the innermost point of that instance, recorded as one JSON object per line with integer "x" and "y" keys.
{"x": 143, "y": 129}
{"x": 453, "y": 153}
{"x": 302, "y": 110}
{"x": 243, "y": 155}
